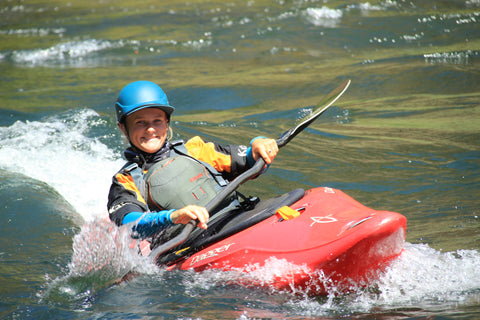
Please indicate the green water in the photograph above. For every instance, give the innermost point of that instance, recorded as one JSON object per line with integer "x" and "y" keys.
{"x": 405, "y": 137}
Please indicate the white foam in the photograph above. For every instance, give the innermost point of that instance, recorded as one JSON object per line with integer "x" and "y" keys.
{"x": 423, "y": 275}
{"x": 462, "y": 57}
{"x": 29, "y": 32}
{"x": 369, "y": 7}
{"x": 64, "y": 50}
{"x": 323, "y": 16}
{"x": 365, "y": 7}
{"x": 57, "y": 152}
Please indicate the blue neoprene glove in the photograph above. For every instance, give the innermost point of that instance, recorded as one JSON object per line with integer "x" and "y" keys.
{"x": 148, "y": 223}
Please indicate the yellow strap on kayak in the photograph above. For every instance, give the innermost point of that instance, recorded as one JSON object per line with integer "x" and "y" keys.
{"x": 287, "y": 213}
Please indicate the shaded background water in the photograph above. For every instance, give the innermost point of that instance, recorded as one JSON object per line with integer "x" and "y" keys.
{"x": 404, "y": 138}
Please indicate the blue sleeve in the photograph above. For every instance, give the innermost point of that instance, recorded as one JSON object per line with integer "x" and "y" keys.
{"x": 148, "y": 223}
{"x": 250, "y": 159}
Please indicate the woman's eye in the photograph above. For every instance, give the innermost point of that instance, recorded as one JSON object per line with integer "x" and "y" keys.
{"x": 144, "y": 123}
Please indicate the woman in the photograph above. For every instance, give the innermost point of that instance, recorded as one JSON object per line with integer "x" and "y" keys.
{"x": 166, "y": 183}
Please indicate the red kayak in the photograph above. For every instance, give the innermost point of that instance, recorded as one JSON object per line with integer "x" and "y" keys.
{"x": 333, "y": 239}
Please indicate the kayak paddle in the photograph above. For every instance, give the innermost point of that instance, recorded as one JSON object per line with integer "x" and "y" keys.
{"x": 288, "y": 135}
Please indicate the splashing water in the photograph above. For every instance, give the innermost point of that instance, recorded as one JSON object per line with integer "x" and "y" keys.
{"x": 103, "y": 248}
{"x": 58, "y": 152}
{"x": 103, "y": 255}
{"x": 421, "y": 278}
{"x": 423, "y": 275}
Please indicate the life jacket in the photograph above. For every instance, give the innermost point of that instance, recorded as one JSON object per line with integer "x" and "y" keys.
{"x": 177, "y": 181}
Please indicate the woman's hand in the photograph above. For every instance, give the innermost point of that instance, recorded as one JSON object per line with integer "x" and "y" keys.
{"x": 188, "y": 213}
{"x": 265, "y": 148}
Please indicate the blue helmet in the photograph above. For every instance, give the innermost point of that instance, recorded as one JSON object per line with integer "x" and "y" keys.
{"x": 140, "y": 95}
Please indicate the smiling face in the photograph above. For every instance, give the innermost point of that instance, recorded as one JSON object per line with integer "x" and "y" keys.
{"x": 147, "y": 129}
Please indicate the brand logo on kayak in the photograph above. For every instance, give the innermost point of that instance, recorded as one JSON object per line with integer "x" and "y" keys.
{"x": 324, "y": 219}
{"x": 210, "y": 254}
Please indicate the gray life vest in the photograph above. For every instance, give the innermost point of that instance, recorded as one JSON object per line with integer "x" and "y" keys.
{"x": 177, "y": 181}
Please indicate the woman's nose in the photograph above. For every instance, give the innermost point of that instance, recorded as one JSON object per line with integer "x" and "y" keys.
{"x": 149, "y": 126}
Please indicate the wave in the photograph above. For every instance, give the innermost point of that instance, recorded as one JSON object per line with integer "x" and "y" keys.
{"x": 422, "y": 278}
{"x": 94, "y": 52}
{"x": 34, "y": 32}
{"x": 324, "y": 16}
{"x": 64, "y": 51}
{"x": 57, "y": 150}
{"x": 457, "y": 57}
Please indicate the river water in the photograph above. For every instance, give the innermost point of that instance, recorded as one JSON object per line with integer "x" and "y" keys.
{"x": 405, "y": 138}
